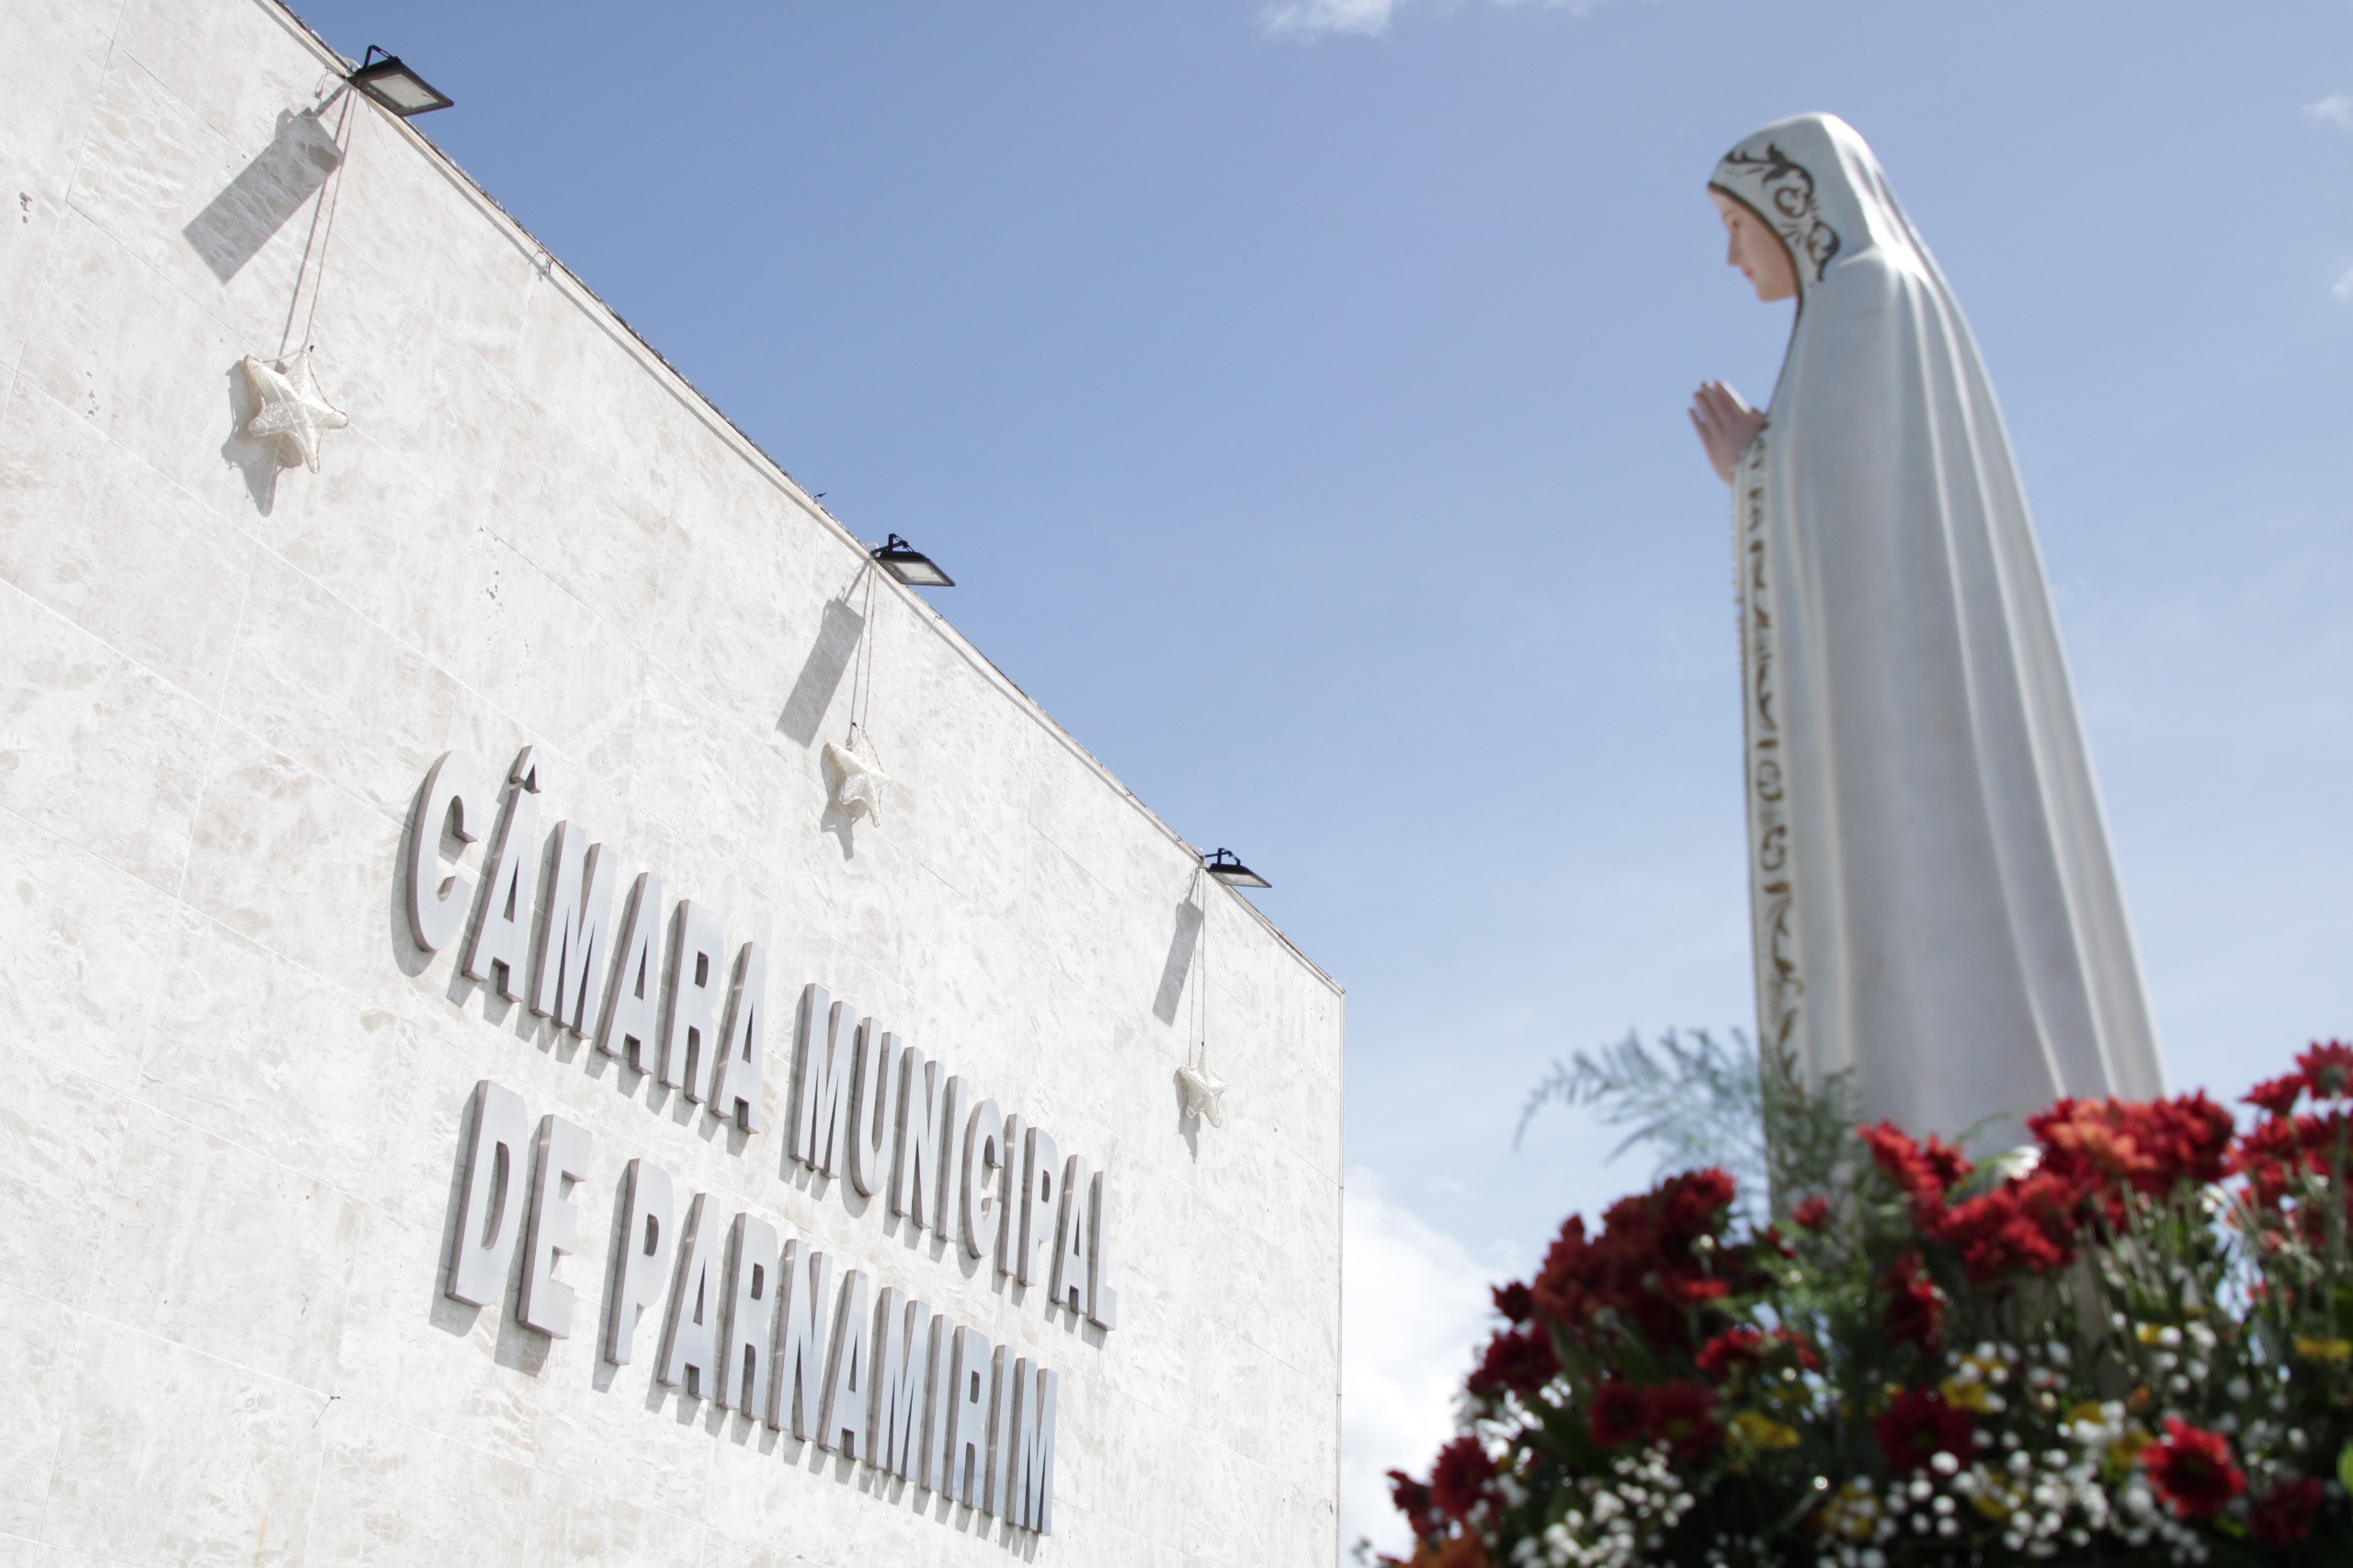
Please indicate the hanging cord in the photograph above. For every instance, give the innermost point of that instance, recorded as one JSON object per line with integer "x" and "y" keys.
{"x": 345, "y": 130}
{"x": 1201, "y": 974}
{"x": 862, "y": 689}
{"x": 347, "y": 133}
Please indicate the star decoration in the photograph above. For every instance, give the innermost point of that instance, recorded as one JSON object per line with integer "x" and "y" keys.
{"x": 859, "y": 780}
{"x": 1204, "y": 1094}
{"x": 293, "y": 414}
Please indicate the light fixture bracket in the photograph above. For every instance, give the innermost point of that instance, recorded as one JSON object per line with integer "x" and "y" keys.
{"x": 393, "y": 86}
{"x": 910, "y": 565}
{"x": 1227, "y": 868}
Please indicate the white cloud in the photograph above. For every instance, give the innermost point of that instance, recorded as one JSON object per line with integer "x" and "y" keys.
{"x": 1413, "y": 1314}
{"x": 1366, "y": 18}
{"x": 1312, "y": 19}
{"x": 2335, "y": 109}
{"x": 2342, "y": 287}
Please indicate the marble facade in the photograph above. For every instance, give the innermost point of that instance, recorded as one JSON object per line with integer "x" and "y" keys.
{"x": 232, "y": 1165}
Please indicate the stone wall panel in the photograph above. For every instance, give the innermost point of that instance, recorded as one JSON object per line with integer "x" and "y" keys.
{"x": 238, "y": 1129}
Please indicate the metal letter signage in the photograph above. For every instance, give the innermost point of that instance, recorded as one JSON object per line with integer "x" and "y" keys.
{"x": 739, "y": 1313}
{"x": 488, "y": 1217}
{"x": 453, "y": 807}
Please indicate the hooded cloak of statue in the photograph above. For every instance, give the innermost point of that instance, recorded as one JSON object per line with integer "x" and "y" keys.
{"x": 1933, "y": 903}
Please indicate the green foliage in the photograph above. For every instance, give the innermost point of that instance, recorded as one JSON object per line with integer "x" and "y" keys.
{"x": 1699, "y": 1101}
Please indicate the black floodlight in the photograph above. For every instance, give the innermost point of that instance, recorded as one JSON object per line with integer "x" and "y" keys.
{"x": 910, "y": 565}
{"x": 395, "y": 86}
{"x": 1223, "y": 865}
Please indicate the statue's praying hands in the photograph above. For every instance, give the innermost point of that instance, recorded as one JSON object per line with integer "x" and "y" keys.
{"x": 1727, "y": 426}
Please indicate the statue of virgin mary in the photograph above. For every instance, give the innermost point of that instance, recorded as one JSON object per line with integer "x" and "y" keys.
{"x": 1935, "y": 907}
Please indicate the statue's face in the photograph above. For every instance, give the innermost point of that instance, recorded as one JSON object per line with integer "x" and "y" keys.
{"x": 1756, "y": 250}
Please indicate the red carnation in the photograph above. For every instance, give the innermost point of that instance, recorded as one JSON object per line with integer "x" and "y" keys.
{"x": 1915, "y": 1306}
{"x": 1617, "y": 1415}
{"x": 2283, "y": 1516}
{"x": 2278, "y": 1095}
{"x": 1919, "y": 1426}
{"x": 2327, "y": 1068}
{"x": 2023, "y": 1226}
{"x": 1518, "y": 1359}
{"x": 1812, "y": 1214}
{"x": 2278, "y": 1154}
{"x": 2192, "y": 1470}
{"x": 1412, "y": 1500}
{"x": 1925, "y": 1171}
{"x": 1735, "y": 1349}
{"x": 1458, "y": 1479}
{"x": 1744, "y": 1349}
{"x": 1647, "y": 1268}
{"x": 1684, "y": 1414}
{"x": 1514, "y": 1302}
{"x": 2153, "y": 1146}
{"x": 1695, "y": 1203}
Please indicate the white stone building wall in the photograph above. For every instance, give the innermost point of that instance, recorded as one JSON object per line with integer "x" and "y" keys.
{"x": 229, "y": 1147}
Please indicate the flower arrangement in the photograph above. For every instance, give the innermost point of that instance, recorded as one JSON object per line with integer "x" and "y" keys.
{"x": 2129, "y": 1342}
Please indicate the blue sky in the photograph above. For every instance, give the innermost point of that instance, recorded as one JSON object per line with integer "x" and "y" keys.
{"x": 1296, "y": 393}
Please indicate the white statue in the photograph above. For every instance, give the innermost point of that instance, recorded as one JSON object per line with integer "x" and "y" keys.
{"x": 1932, "y": 901}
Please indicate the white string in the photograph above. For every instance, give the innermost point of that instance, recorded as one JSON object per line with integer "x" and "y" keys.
{"x": 1201, "y": 975}
{"x": 862, "y": 689}
{"x": 327, "y": 202}
{"x": 347, "y": 133}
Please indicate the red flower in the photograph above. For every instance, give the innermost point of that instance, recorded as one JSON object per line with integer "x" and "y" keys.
{"x": 1695, "y": 1203}
{"x": 1617, "y": 1415}
{"x": 1919, "y": 1426}
{"x": 1513, "y": 1301}
{"x": 2192, "y": 1470}
{"x": 1744, "y": 1349}
{"x": 2278, "y": 1095}
{"x": 2283, "y": 1516}
{"x": 1458, "y": 1479}
{"x": 2153, "y": 1146}
{"x": 1812, "y": 1214}
{"x": 2021, "y": 1226}
{"x": 1915, "y": 1306}
{"x": 1735, "y": 1349}
{"x": 1412, "y": 1500}
{"x": 1517, "y": 1358}
{"x": 1647, "y": 1268}
{"x": 1684, "y": 1414}
{"x": 2327, "y": 1067}
{"x": 2278, "y": 1154}
{"x": 1925, "y": 1171}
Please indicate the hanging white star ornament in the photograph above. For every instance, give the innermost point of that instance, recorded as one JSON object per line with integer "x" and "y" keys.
{"x": 859, "y": 780}
{"x": 294, "y": 415}
{"x": 1204, "y": 1094}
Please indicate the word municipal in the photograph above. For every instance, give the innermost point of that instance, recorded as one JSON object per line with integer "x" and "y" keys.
{"x": 754, "y": 1325}
{"x": 867, "y": 1104}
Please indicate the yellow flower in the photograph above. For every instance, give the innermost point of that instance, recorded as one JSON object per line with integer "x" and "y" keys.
{"x": 2126, "y": 1450}
{"x": 1994, "y": 1506}
{"x": 1763, "y": 1431}
{"x": 1851, "y": 1512}
{"x": 2324, "y": 1349}
{"x": 1964, "y": 1393}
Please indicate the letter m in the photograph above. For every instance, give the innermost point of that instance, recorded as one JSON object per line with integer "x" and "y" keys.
{"x": 901, "y": 1370}
{"x": 1032, "y": 1503}
{"x": 821, "y": 1111}
{"x": 573, "y": 942}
